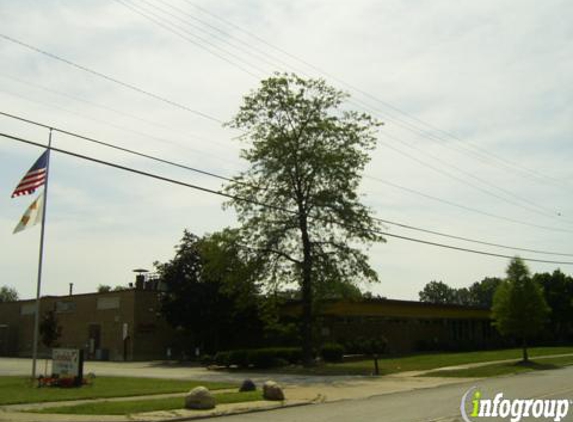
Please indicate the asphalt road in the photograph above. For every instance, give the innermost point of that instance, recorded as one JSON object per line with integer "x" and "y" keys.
{"x": 436, "y": 404}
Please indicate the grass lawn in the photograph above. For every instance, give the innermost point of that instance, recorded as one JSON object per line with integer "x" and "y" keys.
{"x": 506, "y": 368}
{"x": 419, "y": 362}
{"x": 20, "y": 390}
{"x": 139, "y": 406}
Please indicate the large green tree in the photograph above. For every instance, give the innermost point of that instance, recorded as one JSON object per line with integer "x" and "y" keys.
{"x": 211, "y": 294}
{"x": 558, "y": 292}
{"x": 482, "y": 292}
{"x": 438, "y": 292}
{"x": 519, "y": 308}
{"x": 298, "y": 202}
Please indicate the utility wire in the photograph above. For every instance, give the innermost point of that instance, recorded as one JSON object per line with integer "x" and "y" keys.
{"x": 464, "y": 207}
{"x": 143, "y": 91}
{"x": 254, "y": 202}
{"x": 228, "y": 179}
{"x": 136, "y": 132}
{"x": 482, "y": 152}
{"x": 157, "y": 20}
{"x": 105, "y": 107}
{"x": 167, "y": 24}
{"x": 109, "y": 145}
{"x": 110, "y": 78}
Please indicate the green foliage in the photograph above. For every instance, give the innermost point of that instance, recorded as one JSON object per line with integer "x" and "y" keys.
{"x": 437, "y": 292}
{"x": 478, "y": 294}
{"x": 8, "y": 294}
{"x": 481, "y": 293}
{"x": 50, "y": 330}
{"x": 306, "y": 160}
{"x": 519, "y": 308}
{"x": 558, "y": 292}
{"x": 259, "y": 358}
{"x": 103, "y": 288}
{"x": 19, "y": 389}
{"x": 211, "y": 293}
{"x": 128, "y": 407}
{"x": 367, "y": 345}
{"x": 332, "y": 352}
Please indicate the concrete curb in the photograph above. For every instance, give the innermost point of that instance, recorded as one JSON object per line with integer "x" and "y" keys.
{"x": 229, "y": 413}
{"x": 147, "y": 417}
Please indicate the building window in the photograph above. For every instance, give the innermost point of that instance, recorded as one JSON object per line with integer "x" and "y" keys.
{"x": 107, "y": 303}
{"x": 28, "y": 309}
{"x": 64, "y": 307}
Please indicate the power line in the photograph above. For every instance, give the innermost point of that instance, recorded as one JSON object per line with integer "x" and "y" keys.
{"x": 160, "y": 22}
{"x": 229, "y": 179}
{"x": 116, "y": 147}
{"x": 167, "y": 24}
{"x": 254, "y": 202}
{"x": 104, "y": 107}
{"x": 466, "y": 239}
{"x": 482, "y": 152}
{"x": 464, "y": 182}
{"x": 139, "y": 133}
{"x": 170, "y": 101}
{"x": 464, "y": 207}
{"x": 110, "y": 78}
{"x": 220, "y": 177}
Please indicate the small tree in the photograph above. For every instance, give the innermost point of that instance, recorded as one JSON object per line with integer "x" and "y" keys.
{"x": 50, "y": 330}
{"x": 103, "y": 288}
{"x": 519, "y": 308}
{"x": 8, "y": 294}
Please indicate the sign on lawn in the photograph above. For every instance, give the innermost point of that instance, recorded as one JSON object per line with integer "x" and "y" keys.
{"x": 67, "y": 363}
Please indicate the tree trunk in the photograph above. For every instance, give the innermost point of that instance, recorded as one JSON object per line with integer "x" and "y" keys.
{"x": 524, "y": 347}
{"x": 306, "y": 293}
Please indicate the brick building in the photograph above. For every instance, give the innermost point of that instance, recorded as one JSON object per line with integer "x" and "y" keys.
{"x": 125, "y": 325}
{"x": 118, "y": 325}
{"x": 408, "y": 326}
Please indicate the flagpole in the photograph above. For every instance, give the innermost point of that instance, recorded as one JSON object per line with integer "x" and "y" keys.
{"x": 40, "y": 262}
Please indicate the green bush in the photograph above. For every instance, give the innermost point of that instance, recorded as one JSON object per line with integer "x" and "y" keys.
{"x": 367, "y": 345}
{"x": 239, "y": 358}
{"x": 332, "y": 352}
{"x": 259, "y": 358}
{"x": 223, "y": 359}
{"x": 206, "y": 360}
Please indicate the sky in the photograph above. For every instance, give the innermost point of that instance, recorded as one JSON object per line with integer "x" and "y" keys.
{"x": 475, "y": 98}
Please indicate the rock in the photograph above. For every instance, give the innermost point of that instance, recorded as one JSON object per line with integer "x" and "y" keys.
{"x": 199, "y": 398}
{"x": 247, "y": 385}
{"x": 272, "y": 391}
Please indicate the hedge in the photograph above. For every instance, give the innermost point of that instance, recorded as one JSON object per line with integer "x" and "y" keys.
{"x": 259, "y": 358}
{"x": 332, "y": 352}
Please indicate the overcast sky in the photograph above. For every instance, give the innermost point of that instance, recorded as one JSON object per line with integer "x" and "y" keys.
{"x": 475, "y": 96}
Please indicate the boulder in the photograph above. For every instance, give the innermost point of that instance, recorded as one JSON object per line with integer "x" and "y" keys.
{"x": 272, "y": 391}
{"x": 247, "y": 385}
{"x": 199, "y": 398}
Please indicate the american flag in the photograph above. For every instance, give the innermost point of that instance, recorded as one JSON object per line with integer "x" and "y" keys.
{"x": 35, "y": 177}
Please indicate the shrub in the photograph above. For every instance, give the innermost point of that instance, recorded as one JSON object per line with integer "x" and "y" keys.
{"x": 223, "y": 359}
{"x": 206, "y": 360}
{"x": 239, "y": 358}
{"x": 332, "y": 352}
{"x": 259, "y": 358}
